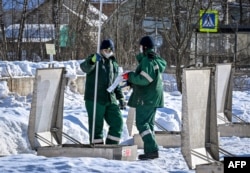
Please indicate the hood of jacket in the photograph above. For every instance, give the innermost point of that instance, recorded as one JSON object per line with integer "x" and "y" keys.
{"x": 151, "y": 55}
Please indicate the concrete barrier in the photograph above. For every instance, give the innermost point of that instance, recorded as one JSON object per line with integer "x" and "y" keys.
{"x": 24, "y": 85}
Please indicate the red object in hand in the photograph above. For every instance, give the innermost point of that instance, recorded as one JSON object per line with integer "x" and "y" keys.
{"x": 125, "y": 76}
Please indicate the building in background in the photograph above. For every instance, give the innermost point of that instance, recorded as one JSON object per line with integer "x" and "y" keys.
{"x": 71, "y": 25}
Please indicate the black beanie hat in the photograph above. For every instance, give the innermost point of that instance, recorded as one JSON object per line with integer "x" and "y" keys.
{"x": 147, "y": 41}
{"x": 107, "y": 44}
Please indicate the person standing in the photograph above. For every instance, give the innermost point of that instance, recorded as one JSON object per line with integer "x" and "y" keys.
{"x": 147, "y": 94}
{"x": 107, "y": 105}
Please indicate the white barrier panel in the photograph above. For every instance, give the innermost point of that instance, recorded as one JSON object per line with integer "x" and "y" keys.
{"x": 223, "y": 91}
{"x": 199, "y": 129}
{"x": 46, "y": 108}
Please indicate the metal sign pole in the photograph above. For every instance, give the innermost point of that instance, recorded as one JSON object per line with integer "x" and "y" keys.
{"x": 96, "y": 73}
{"x": 152, "y": 24}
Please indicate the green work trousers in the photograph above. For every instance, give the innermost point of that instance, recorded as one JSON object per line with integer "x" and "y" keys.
{"x": 110, "y": 113}
{"x": 145, "y": 117}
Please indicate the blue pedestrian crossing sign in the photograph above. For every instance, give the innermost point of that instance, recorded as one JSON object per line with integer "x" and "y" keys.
{"x": 208, "y": 20}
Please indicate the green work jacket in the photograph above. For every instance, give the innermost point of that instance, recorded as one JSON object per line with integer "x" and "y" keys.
{"x": 107, "y": 73}
{"x": 146, "y": 81}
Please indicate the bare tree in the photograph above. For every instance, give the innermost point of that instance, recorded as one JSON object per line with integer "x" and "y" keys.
{"x": 80, "y": 29}
{"x": 175, "y": 48}
{"x": 124, "y": 27}
{"x": 184, "y": 16}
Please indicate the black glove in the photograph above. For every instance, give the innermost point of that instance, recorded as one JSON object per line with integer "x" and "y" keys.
{"x": 122, "y": 104}
{"x": 129, "y": 84}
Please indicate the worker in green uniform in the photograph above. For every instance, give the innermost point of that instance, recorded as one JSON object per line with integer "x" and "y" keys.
{"x": 147, "y": 94}
{"x": 108, "y": 104}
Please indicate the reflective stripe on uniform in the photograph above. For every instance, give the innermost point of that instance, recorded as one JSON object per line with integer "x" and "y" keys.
{"x": 144, "y": 74}
{"x": 156, "y": 67}
{"x": 96, "y": 141}
{"x": 113, "y": 138}
{"x": 145, "y": 133}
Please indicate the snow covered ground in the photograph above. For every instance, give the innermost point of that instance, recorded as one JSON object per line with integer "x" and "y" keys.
{"x": 14, "y": 117}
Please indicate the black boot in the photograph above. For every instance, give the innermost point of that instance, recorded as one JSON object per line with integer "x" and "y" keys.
{"x": 148, "y": 156}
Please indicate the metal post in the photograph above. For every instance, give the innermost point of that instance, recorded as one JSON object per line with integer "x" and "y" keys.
{"x": 208, "y": 48}
{"x": 154, "y": 24}
{"x": 96, "y": 74}
{"x": 196, "y": 41}
{"x": 156, "y": 33}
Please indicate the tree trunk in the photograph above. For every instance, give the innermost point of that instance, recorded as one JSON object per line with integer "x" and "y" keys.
{"x": 55, "y": 15}
{"x": 3, "y": 52}
{"x": 21, "y": 28}
{"x": 178, "y": 74}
